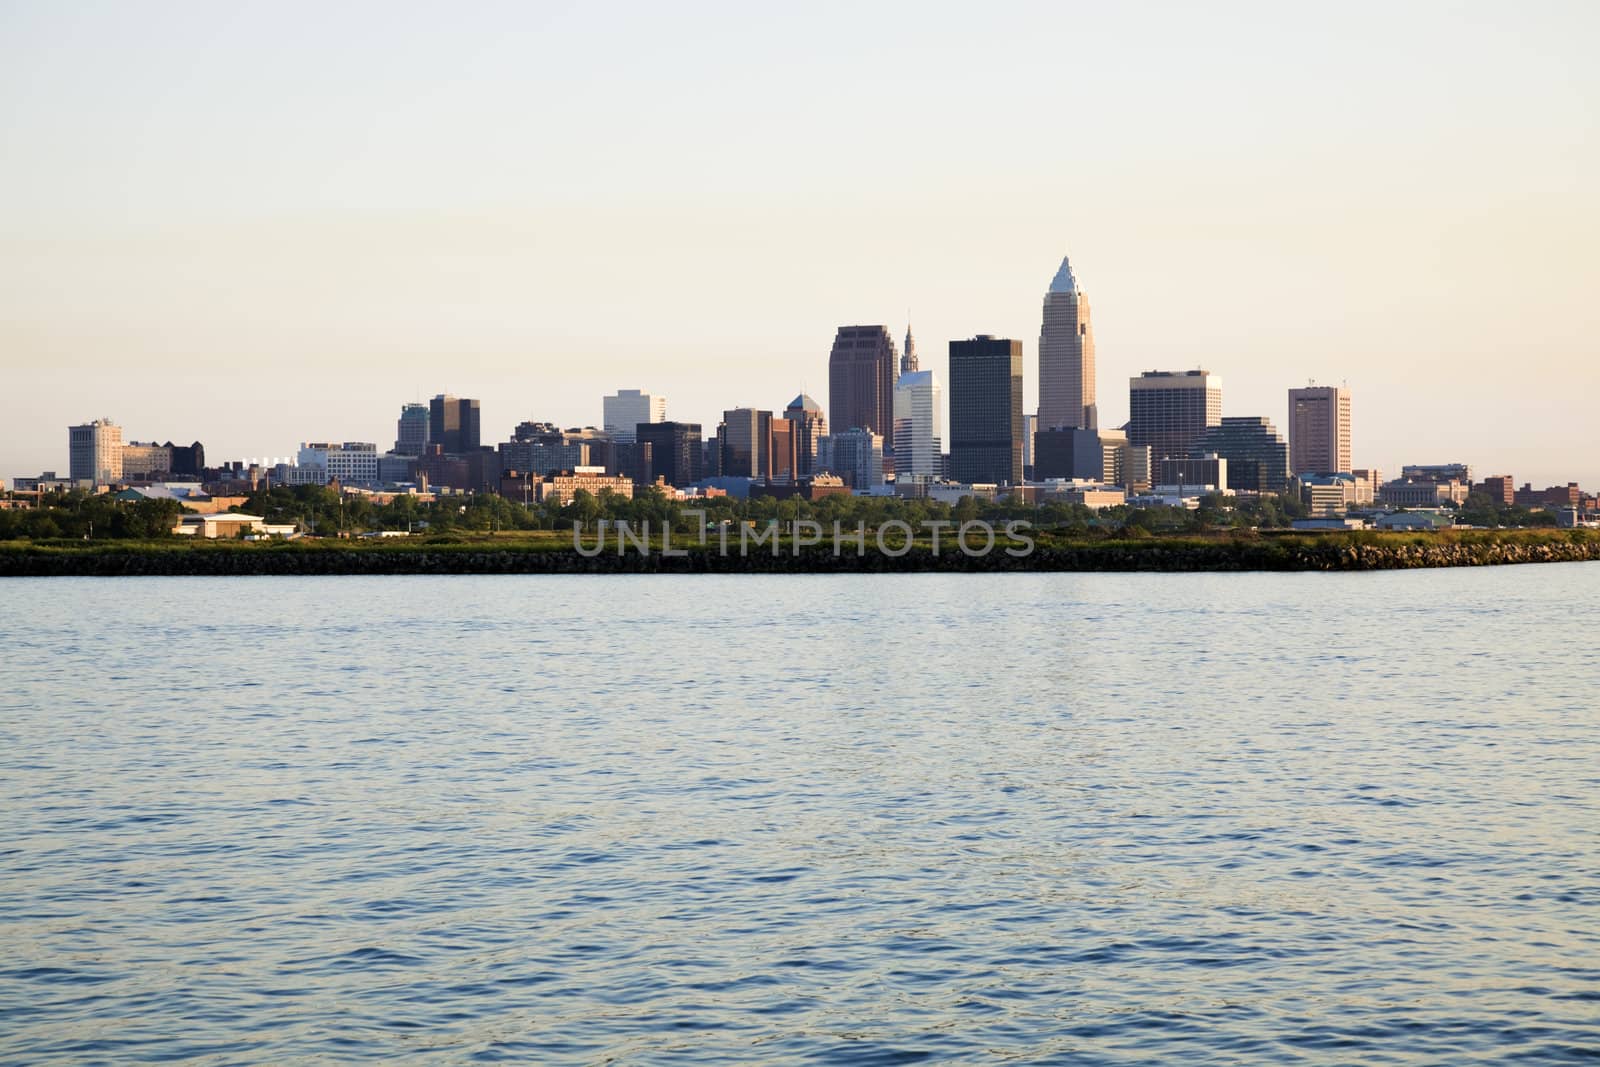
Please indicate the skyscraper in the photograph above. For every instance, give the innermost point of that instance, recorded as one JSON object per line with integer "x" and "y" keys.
{"x": 1319, "y": 430}
{"x": 918, "y": 425}
{"x": 94, "y": 452}
{"x": 454, "y": 424}
{"x": 1066, "y": 357}
{"x": 783, "y": 457}
{"x": 986, "y": 410}
{"x": 746, "y": 439}
{"x": 809, "y": 426}
{"x": 624, "y": 411}
{"x": 1068, "y": 453}
{"x": 854, "y": 455}
{"x": 411, "y": 431}
{"x": 908, "y": 361}
{"x": 444, "y": 422}
{"x": 1258, "y": 459}
{"x": 674, "y": 450}
{"x": 861, "y": 381}
{"x": 1170, "y": 410}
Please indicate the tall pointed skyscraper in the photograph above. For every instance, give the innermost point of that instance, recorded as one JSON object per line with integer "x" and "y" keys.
{"x": 1066, "y": 357}
{"x": 908, "y": 360}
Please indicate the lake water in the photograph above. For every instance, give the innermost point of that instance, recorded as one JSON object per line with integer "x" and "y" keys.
{"x": 1097, "y": 819}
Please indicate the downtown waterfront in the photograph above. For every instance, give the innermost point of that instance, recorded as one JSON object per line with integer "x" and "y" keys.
{"x": 1053, "y": 818}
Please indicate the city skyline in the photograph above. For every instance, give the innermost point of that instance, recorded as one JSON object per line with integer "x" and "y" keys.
{"x": 893, "y": 363}
{"x": 377, "y": 235}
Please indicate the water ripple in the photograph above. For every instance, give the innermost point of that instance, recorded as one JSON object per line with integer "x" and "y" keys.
{"x": 1097, "y": 819}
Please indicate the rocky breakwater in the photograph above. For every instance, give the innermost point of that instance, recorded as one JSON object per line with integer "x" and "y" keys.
{"x": 1223, "y": 553}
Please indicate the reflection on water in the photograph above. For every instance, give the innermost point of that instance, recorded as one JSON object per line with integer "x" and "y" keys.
{"x": 1095, "y": 819}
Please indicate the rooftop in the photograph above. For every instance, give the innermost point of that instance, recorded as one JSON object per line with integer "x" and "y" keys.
{"x": 1064, "y": 282}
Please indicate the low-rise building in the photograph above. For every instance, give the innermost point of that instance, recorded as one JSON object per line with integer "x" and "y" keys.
{"x": 1414, "y": 520}
{"x": 563, "y": 485}
{"x": 1436, "y": 472}
{"x": 1330, "y": 524}
{"x": 48, "y": 482}
{"x": 294, "y": 474}
{"x": 953, "y": 492}
{"x": 1404, "y": 493}
{"x": 814, "y": 487}
{"x": 1500, "y": 488}
{"x": 1327, "y": 495}
{"x": 1158, "y": 498}
{"x": 1094, "y": 495}
{"x": 1556, "y": 496}
{"x": 232, "y": 524}
{"x": 1194, "y": 470}
{"x": 1367, "y": 481}
{"x": 384, "y": 497}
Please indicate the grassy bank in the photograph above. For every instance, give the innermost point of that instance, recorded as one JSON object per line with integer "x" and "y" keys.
{"x": 553, "y": 553}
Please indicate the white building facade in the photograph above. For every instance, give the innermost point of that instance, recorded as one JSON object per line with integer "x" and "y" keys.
{"x": 94, "y": 452}
{"x": 918, "y": 427}
{"x": 624, "y": 411}
{"x": 350, "y": 463}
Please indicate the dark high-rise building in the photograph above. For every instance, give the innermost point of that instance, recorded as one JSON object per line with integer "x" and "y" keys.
{"x": 453, "y": 424}
{"x": 809, "y": 427}
{"x": 986, "y": 410}
{"x": 675, "y": 450}
{"x": 711, "y": 454}
{"x": 632, "y": 459}
{"x": 1319, "y": 430}
{"x": 1068, "y": 453}
{"x": 187, "y": 460}
{"x": 746, "y": 439}
{"x": 483, "y": 469}
{"x": 861, "y": 371}
{"x": 444, "y": 423}
{"x": 1170, "y": 410}
{"x": 1066, "y": 357}
{"x": 471, "y": 425}
{"x": 411, "y": 431}
{"x": 1258, "y": 458}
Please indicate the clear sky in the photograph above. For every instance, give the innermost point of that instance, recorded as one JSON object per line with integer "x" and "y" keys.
{"x": 260, "y": 223}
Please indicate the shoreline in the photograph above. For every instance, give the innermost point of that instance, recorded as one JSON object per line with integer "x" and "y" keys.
{"x": 546, "y": 555}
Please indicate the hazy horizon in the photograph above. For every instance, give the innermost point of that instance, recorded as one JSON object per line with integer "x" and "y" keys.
{"x": 265, "y": 225}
